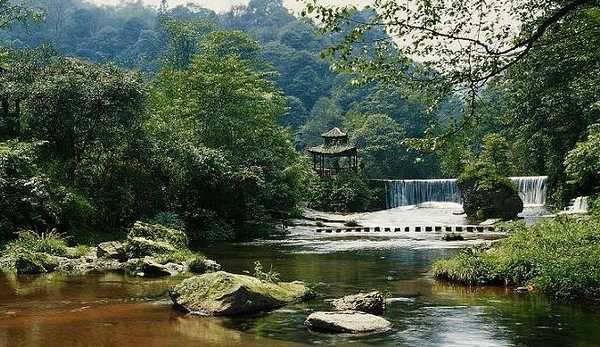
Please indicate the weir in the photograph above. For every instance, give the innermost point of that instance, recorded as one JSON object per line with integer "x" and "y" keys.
{"x": 532, "y": 190}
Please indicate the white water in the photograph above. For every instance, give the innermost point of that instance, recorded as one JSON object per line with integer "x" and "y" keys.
{"x": 580, "y": 205}
{"x": 532, "y": 191}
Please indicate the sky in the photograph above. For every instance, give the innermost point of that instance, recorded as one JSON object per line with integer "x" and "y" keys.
{"x": 224, "y": 5}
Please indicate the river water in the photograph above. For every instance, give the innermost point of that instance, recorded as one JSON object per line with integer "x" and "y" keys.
{"x": 116, "y": 310}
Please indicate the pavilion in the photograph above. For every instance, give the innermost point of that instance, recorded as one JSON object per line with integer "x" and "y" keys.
{"x": 335, "y": 155}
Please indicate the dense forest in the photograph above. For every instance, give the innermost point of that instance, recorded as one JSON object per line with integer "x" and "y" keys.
{"x": 191, "y": 118}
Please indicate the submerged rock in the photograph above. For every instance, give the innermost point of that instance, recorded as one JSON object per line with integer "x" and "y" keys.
{"x": 372, "y": 302}
{"x": 352, "y": 322}
{"x": 225, "y": 294}
{"x": 111, "y": 250}
{"x": 88, "y": 264}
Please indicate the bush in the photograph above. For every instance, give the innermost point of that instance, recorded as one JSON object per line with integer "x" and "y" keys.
{"x": 346, "y": 192}
{"x": 558, "y": 257}
{"x": 50, "y": 243}
{"x": 487, "y": 194}
{"x": 267, "y": 276}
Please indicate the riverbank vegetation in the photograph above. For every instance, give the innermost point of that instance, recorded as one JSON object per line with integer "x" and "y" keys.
{"x": 557, "y": 257}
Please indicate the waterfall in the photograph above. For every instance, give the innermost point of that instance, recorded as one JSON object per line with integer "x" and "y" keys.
{"x": 414, "y": 192}
{"x": 532, "y": 191}
{"x": 580, "y": 205}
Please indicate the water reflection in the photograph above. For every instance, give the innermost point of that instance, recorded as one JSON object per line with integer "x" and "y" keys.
{"x": 112, "y": 309}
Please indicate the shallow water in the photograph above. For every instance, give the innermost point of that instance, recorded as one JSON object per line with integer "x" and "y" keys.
{"x": 109, "y": 310}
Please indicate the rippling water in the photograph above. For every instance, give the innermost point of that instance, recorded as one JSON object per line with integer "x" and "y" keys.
{"x": 115, "y": 310}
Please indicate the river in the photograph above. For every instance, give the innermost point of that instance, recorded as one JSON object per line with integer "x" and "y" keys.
{"x": 116, "y": 310}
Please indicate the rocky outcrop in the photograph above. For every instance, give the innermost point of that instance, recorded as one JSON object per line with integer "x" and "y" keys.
{"x": 158, "y": 233}
{"x": 203, "y": 265}
{"x": 139, "y": 247}
{"x": 149, "y": 267}
{"x": 352, "y": 322}
{"x": 111, "y": 250}
{"x": 372, "y": 302}
{"x": 225, "y": 294}
{"x": 150, "y": 251}
{"x": 26, "y": 263}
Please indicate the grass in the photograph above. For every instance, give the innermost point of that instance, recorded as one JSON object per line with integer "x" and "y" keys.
{"x": 179, "y": 256}
{"x": 267, "y": 276}
{"x": 560, "y": 257}
{"x": 50, "y": 242}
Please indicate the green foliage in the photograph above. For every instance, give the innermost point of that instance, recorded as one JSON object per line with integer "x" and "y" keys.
{"x": 168, "y": 219}
{"x": 267, "y": 276}
{"x": 497, "y": 152}
{"x": 380, "y": 143}
{"x": 50, "y": 243}
{"x": 583, "y": 163}
{"x": 179, "y": 256}
{"x": 557, "y": 257}
{"x": 28, "y": 200}
{"x": 347, "y": 192}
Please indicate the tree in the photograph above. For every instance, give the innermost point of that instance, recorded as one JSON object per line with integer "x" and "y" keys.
{"x": 221, "y": 114}
{"x": 583, "y": 163}
{"x": 12, "y": 12}
{"x": 379, "y": 140}
{"x": 459, "y": 46}
{"x": 325, "y": 115}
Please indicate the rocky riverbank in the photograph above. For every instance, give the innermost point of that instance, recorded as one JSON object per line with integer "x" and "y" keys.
{"x": 149, "y": 250}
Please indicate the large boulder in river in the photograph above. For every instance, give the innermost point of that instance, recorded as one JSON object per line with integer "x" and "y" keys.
{"x": 152, "y": 240}
{"x": 225, "y": 294}
{"x": 372, "y": 302}
{"x": 111, "y": 250}
{"x": 487, "y": 194}
{"x": 352, "y": 322}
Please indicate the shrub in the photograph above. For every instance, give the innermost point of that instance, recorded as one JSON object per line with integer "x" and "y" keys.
{"x": 346, "y": 192}
{"x": 51, "y": 243}
{"x": 557, "y": 257}
{"x": 267, "y": 276}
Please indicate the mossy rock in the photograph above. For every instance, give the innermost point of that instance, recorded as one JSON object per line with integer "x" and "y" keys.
{"x": 225, "y": 294}
{"x": 139, "y": 247}
{"x": 202, "y": 265}
{"x": 27, "y": 263}
{"x": 487, "y": 194}
{"x": 159, "y": 233}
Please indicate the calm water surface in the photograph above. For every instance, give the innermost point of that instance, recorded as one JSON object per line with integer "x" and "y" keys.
{"x": 115, "y": 310}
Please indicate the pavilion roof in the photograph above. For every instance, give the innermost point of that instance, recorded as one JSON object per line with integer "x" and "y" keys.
{"x": 335, "y": 132}
{"x": 335, "y": 149}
